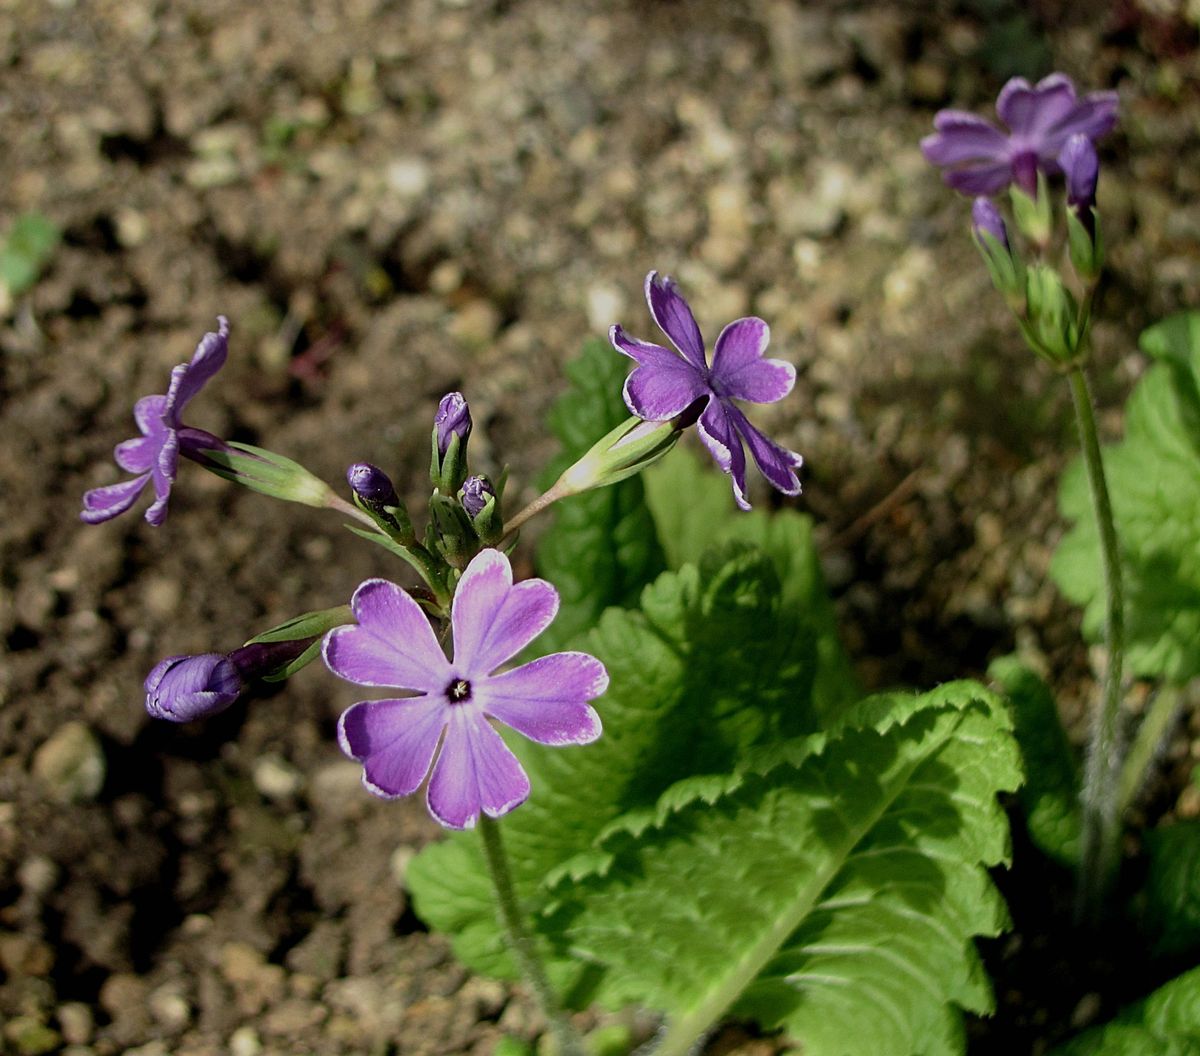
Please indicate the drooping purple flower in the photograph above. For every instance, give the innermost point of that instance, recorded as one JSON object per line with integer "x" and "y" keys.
{"x": 664, "y": 385}
{"x": 986, "y": 219}
{"x": 183, "y": 688}
{"x": 979, "y": 159}
{"x": 453, "y": 418}
{"x": 1081, "y": 168}
{"x": 154, "y": 455}
{"x": 397, "y": 739}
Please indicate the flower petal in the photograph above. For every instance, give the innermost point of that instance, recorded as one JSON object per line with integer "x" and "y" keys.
{"x": 1031, "y": 111}
{"x": 1093, "y": 116}
{"x": 645, "y": 353}
{"x": 394, "y": 740}
{"x": 136, "y": 455}
{"x": 392, "y": 644}
{"x": 103, "y": 504}
{"x": 476, "y": 771}
{"x": 739, "y": 369}
{"x": 494, "y": 620}
{"x": 961, "y": 136}
{"x": 675, "y": 318}
{"x": 163, "y": 475}
{"x": 776, "y": 463}
{"x": 976, "y": 180}
{"x": 147, "y": 412}
{"x": 187, "y": 379}
{"x": 725, "y": 446}
{"x": 660, "y": 393}
{"x": 546, "y": 700}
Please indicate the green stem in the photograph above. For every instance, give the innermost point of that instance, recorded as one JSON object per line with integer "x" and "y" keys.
{"x": 1101, "y": 799}
{"x": 520, "y": 942}
{"x": 558, "y": 491}
{"x": 1154, "y": 727}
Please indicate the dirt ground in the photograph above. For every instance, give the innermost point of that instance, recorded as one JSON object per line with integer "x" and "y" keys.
{"x": 392, "y": 200}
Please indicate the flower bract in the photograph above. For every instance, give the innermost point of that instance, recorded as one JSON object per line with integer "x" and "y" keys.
{"x": 154, "y": 456}
{"x": 664, "y": 384}
{"x": 446, "y": 726}
{"x": 980, "y": 159}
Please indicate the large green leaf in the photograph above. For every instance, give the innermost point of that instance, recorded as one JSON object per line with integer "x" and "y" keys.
{"x": 837, "y": 891}
{"x": 602, "y": 547}
{"x": 1050, "y": 795}
{"x": 1154, "y": 481}
{"x": 1167, "y": 1023}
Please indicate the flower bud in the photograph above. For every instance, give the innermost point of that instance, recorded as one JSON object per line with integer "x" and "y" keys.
{"x": 1051, "y": 330}
{"x": 628, "y": 449}
{"x": 991, "y": 236}
{"x": 476, "y": 493}
{"x": 183, "y": 688}
{"x": 1032, "y": 212}
{"x": 1081, "y": 168}
{"x": 451, "y": 430}
{"x": 372, "y": 485}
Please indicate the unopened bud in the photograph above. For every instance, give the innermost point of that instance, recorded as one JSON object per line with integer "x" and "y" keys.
{"x": 451, "y": 431}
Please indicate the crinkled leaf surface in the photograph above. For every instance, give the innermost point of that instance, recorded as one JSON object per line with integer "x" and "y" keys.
{"x": 1167, "y": 1023}
{"x": 1154, "y": 481}
{"x": 1050, "y": 795}
{"x": 1173, "y": 886}
{"x": 602, "y": 547}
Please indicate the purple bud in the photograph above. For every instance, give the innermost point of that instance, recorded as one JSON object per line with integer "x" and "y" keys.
{"x": 183, "y": 688}
{"x": 453, "y": 418}
{"x": 372, "y": 484}
{"x": 475, "y": 494}
{"x": 986, "y": 219}
{"x": 1082, "y": 170}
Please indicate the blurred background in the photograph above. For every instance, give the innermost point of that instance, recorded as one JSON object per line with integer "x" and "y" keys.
{"x": 393, "y": 200}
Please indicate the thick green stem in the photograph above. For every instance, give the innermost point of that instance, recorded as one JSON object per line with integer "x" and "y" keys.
{"x": 1101, "y": 786}
{"x": 520, "y": 942}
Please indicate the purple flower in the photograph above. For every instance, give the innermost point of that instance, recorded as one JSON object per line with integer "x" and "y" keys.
{"x": 664, "y": 385}
{"x": 183, "y": 688}
{"x": 1082, "y": 170}
{"x": 154, "y": 455}
{"x": 372, "y": 485}
{"x": 980, "y": 159}
{"x": 397, "y": 739}
{"x": 986, "y": 219}
{"x": 453, "y": 418}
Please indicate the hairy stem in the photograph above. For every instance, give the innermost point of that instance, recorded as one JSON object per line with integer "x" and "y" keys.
{"x": 1152, "y": 732}
{"x": 520, "y": 942}
{"x": 558, "y": 491}
{"x": 1101, "y": 798}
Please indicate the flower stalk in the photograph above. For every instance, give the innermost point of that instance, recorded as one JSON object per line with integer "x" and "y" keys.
{"x": 1101, "y": 799}
{"x": 521, "y": 943}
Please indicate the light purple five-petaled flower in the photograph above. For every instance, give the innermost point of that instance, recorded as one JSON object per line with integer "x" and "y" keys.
{"x": 980, "y": 159}
{"x": 397, "y": 740}
{"x": 664, "y": 385}
{"x": 154, "y": 455}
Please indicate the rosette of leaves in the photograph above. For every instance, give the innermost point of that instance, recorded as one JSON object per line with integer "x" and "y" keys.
{"x": 1154, "y": 482}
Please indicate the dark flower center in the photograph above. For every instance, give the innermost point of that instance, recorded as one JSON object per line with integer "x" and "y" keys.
{"x": 458, "y": 691}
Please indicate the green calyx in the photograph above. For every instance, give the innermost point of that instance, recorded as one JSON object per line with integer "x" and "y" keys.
{"x": 628, "y": 449}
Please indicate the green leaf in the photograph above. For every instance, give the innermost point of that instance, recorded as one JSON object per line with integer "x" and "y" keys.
{"x": 31, "y": 242}
{"x": 1167, "y": 1023}
{"x": 711, "y": 667}
{"x": 694, "y": 510}
{"x": 1173, "y": 886}
{"x": 602, "y": 548}
{"x": 838, "y": 897}
{"x": 1050, "y": 795}
{"x": 1154, "y": 482}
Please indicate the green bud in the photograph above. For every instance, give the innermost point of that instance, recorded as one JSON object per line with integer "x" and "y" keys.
{"x": 1051, "y": 330}
{"x": 1004, "y": 267}
{"x": 453, "y": 533}
{"x": 1087, "y": 247}
{"x": 267, "y": 473}
{"x": 628, "y": 449}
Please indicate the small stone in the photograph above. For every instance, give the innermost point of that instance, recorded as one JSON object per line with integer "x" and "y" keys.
{"x": 170, "y": 1009}
{"x": 476, "y": 322}
{"x": 38, "y": 875}
{"x": 244, "y": 1042}
{"x": 399, "y": 862}
{"x": 31, "y": 1038}
{"x": 605, "y": 305}
{"x": 71, "y": 764}
{"x": 275, "y": 778}
{"x": 408, "y": 177}
{"x": 76, "y": 1022}
{"x": 25, "y": 955}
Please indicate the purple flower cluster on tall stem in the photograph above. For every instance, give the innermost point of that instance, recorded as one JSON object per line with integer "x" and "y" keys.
{"x": 154, "y": 456}
{"x": 398, "y": 739}
{"x": 664, "y": 385}
{"x": 979, "y": 159}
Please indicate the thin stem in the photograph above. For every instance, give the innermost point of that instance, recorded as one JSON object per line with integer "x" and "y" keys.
{"x": 336, "y": 502}
{"x": 520, "y": 941}
{"x": 1101, "y": 799}
{"x": 1154, "y": 727}
{"x": 558, "y": 491}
